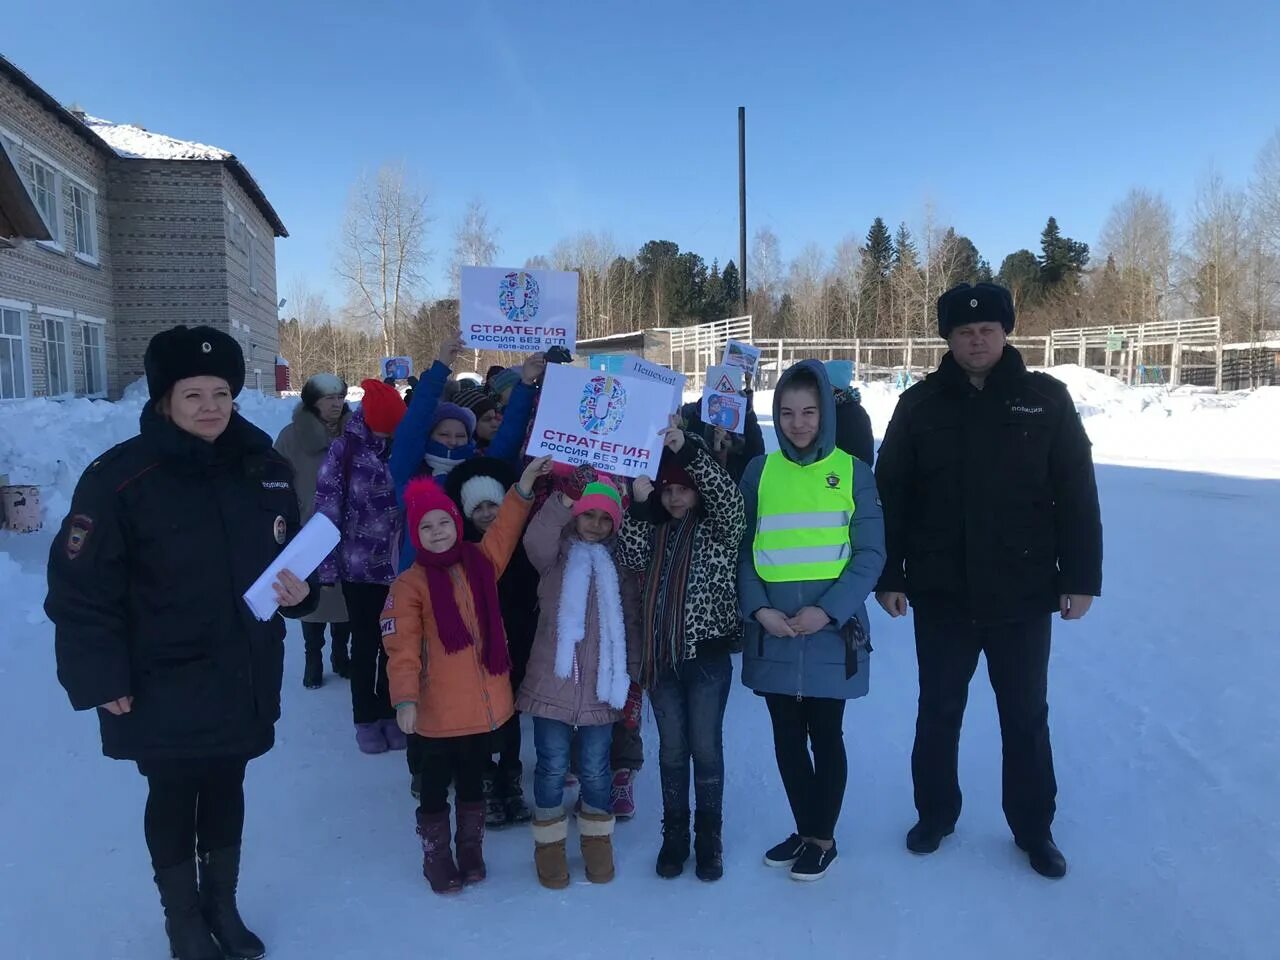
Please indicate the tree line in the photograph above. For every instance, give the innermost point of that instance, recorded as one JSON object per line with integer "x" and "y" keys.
{"x": 1221, "y": 258}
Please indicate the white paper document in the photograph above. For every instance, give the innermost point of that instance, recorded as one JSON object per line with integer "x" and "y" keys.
{"x": 305, "y": 552}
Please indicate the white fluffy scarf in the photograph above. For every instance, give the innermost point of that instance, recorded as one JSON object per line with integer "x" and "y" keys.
{"x": 591, "y": 566}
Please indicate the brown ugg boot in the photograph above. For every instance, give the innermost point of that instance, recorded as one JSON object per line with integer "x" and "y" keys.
{"x": 550, "y": 830}
{"x": 595, "y": 829}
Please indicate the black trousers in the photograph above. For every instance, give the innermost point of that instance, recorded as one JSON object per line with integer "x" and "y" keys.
{"x": 457, "y": 760}
{"x": 313, "y": 635}
{"x": 192, "y": 806}
{"x": 1018, "y": 665}
{"x": 815, "y": 785}
{"x": 370, "y": 696}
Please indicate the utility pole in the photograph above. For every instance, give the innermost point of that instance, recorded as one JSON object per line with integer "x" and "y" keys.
{"x": 742, "y": 205}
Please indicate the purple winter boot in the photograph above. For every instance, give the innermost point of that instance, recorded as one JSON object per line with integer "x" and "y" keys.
{"x": 370, "y": 738}
{"x": 437, "y": 859}
{"x": 396, "y": 740}
{"x": 470, "y": 841}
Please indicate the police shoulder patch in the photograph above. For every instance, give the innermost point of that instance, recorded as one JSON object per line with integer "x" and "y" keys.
{"x": 78, "y": 531}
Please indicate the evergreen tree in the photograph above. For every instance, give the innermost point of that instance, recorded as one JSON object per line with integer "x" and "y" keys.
{"x": 731, "y": 281}
{"x": 714, "y": 305}
{"x": 904, "y": 249}
{"x": 1061, "y": 257}
{"x": 878, "y": 254}
{"x": 1020, "y": 273}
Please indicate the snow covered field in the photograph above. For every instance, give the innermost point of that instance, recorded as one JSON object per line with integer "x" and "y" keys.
{"x": 1166, "y": 733}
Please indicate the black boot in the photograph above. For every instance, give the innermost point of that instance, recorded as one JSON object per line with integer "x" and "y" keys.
{"x": 1046, "y": 859}
{"x": 219, "y": 873}
{"x": 675, "y": 845}
{"x": 495, "y": 807}
{"x": 707, "y": 850}
{"x": 189, "y": 936}
{"x": 517, "y": 810}
{"x": 926, "y": 837}
{"x": 313, "y": 671}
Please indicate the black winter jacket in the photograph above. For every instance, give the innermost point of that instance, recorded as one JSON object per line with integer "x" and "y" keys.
{"x": 518, "y": 587}
{"x": 146, "y": 578}
{"x": 853, "y": 428}
{"x": 990, "y": 504}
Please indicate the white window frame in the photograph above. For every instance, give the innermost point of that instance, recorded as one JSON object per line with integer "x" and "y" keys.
{"x": 55, "y": 228}
{"x": 100, "y": 369}
{"x": 47, "y": 317}
{"x": 89, "y": 209}
{"x": 23, "y": 310}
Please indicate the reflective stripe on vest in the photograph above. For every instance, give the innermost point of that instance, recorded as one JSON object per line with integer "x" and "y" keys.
{"x": 802, "y": 519}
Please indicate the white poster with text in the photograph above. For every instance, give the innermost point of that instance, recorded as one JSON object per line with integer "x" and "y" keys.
{"x": 520, "y": 310}
{"x": 635, "y": 366}
{"x": 614, "y": 423}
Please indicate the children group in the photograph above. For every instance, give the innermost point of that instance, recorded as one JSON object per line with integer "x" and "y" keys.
{"x": 477, "y": 584}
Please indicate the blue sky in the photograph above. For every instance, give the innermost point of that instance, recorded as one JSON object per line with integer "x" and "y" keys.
{"x": 570, "y": 116}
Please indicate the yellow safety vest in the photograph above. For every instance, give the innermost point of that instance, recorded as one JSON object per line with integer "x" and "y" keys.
{"x": 802, "y": 518}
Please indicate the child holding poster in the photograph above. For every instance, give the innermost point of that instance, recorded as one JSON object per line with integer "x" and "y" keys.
{"x": 447, "y": 665}
{"x": 579, "y": 678}
{"x": 435, "y": 437}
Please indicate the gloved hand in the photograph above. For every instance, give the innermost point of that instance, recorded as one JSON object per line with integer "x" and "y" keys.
{"x": 631, "y": 710}
{"x": 407, "y": 718}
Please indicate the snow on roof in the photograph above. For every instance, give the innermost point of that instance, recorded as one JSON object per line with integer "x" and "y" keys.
{"x": 133, "y": 141}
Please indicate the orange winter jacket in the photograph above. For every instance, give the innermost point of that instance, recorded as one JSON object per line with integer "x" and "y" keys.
{"x": 455, "y": 695}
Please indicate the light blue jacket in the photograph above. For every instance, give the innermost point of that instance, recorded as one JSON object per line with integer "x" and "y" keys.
{"x": 812, "y": 666}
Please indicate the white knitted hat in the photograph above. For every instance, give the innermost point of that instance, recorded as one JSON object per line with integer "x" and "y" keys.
{"x": 480, "y": 489}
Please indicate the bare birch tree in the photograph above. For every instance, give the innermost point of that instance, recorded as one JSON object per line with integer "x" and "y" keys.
{"x": 383, "y": 251}
{"x": 1138, "y": 237}
{"x": 475, "y": 244}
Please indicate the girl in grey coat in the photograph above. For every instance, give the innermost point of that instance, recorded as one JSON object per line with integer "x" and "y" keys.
{"x": 806, "y": 645}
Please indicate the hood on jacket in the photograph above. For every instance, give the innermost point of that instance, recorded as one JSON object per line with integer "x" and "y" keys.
{"x": 499, "y": 470}
{"x": 826, "y": 441}
{"x": 310, "y": 429}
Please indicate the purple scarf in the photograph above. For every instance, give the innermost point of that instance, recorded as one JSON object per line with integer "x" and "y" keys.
{"x": 481, "y": 578}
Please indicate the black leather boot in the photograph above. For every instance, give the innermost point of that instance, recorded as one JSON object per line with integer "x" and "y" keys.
{"x": 219, "y": 874}
{"x": 189, "y": 936}
{"x": 707, "y": 850}
{"x": 675, "y": 845}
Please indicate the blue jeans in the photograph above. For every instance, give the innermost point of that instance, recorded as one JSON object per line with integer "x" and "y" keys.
{"x": 553, "y": 739}
{"x": 688, "y": 703}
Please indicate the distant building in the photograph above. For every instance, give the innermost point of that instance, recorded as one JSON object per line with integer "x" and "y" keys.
{"x": 110, "y": 233}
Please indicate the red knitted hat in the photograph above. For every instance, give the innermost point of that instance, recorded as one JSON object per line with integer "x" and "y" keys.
{"x": 420, "y": 498}
{"x": 382, "y": 405}
{"x": 671, "y": 472}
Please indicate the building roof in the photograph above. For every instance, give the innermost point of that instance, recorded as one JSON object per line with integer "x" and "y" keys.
{"x": 130, "y": 142}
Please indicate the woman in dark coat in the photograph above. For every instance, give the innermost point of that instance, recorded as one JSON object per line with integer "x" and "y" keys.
{"x": 166, "y": 532}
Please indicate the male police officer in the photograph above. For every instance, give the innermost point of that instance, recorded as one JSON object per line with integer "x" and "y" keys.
{"x": 991, "y": 526}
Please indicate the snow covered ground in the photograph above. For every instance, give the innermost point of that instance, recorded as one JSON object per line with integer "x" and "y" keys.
{"x": 1166, "y": 734}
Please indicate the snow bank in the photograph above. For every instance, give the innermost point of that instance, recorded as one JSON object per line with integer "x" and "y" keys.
{"x": 50, "y": 442}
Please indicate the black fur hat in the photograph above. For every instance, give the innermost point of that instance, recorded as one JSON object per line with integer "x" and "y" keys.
{"x": 184, "y": 352}
{"x": 977, "y": 303}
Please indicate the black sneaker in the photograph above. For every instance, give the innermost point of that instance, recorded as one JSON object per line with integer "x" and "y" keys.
{"x": 813, "y": 862}
{"x": 1046, "y": 859}
{"x": 925, "y": 838}
{"x": 785, "y": 853}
